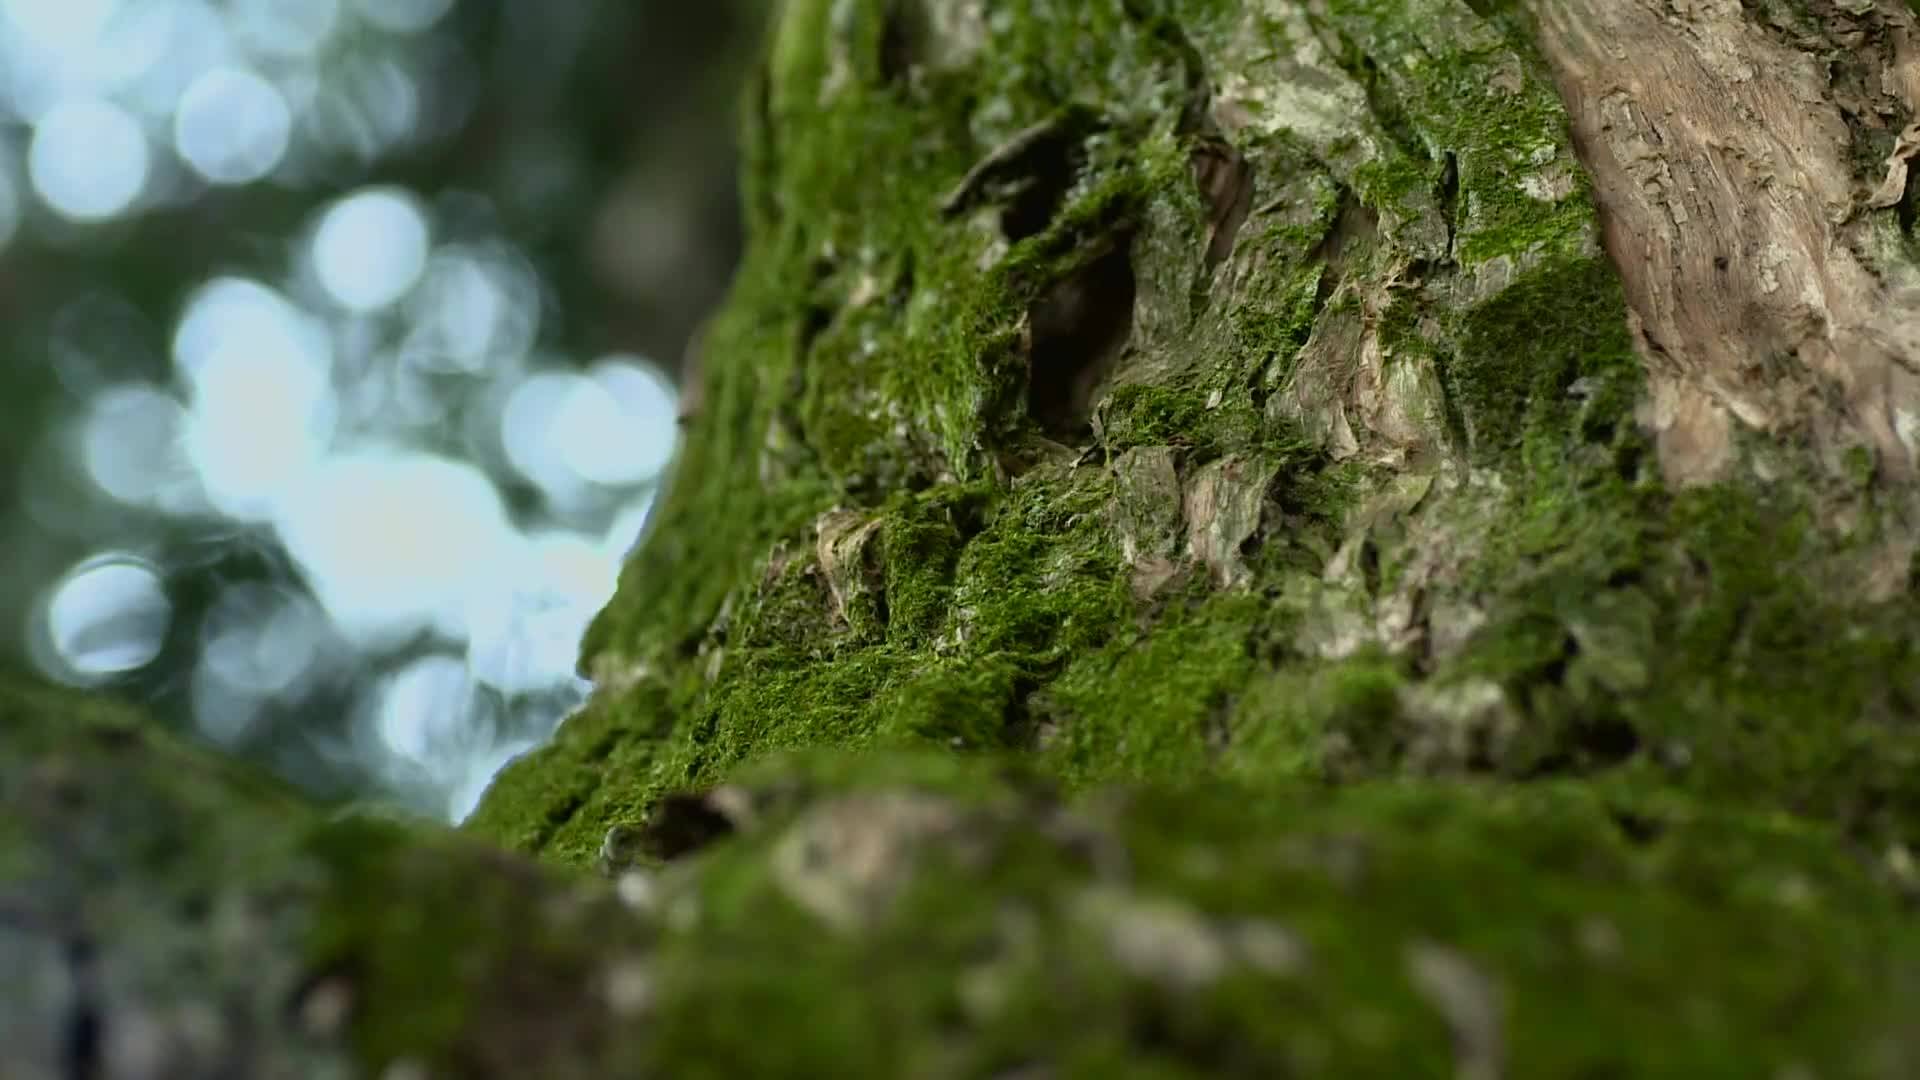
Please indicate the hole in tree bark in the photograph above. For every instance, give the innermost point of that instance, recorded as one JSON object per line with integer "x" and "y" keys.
{"x": 1077, "y": 329}
{"x": 898, "y": 46}
{"x": 1028, "y": 175}
{"x": 1036, "y": 199}
{"x": 682, "y": 824}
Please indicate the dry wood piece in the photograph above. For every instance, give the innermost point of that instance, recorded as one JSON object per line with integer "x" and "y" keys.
{"x": 1894, "y": 187}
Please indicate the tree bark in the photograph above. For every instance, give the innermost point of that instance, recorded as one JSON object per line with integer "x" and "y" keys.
{"x": 1338, "y": 537}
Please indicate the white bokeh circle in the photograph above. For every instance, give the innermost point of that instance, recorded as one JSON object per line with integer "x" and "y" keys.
{"x": 89, "y": 160}
{"x": 232, "y": 126}
{"x": 371, "y": 247}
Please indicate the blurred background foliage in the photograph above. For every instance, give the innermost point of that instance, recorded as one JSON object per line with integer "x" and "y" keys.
{"x": 340, "y": 340}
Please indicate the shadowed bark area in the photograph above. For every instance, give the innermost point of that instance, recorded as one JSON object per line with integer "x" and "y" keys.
{"x": 1247, "y": 539}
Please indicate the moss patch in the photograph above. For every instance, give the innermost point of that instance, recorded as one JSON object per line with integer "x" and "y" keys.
{"x": 1556, "y": 611}
{"x": 1356, "y": 548}
{"x": 1232, "y": 930}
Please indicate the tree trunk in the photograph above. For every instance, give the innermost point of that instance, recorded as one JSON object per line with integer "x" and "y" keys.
{"x": 1334, "y": 537}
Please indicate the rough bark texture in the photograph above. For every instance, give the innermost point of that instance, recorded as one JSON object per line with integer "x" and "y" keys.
{"x": 1331, "y": 537}
{"x": 1726, "y": 147}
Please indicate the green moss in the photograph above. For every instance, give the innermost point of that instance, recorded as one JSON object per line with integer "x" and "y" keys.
{"x": 964, "y": 705}
{"x": 1001, "y": 607}
{"x": 1161, "y": 414}
{"x": 461, "y": 961}
{"x": 1001, "y": 591}
{"x": 1324, "y": 720}
{"x": 1268, "y": 331}
{"x": 1142, "y": 415}
{"x": 900, "y": 331}
{"x": 1770, "y": 648}
{"x": 1263, "y": 931}
{"x": 1683, "y": 729}
{"x": 921, "y": 541}
{"x": 1707, "y": 641}
{"x": 1465, "y": 96}
{"x": 864, "y": 348}
{"x": 562, "y": 797}
{"x": 674, "y": 586}
{"x": 1154, "y": 706}
{"x": 1521, "y": 353}
{"x": 1043, "y": 579}
{"x": 402, "y": 951}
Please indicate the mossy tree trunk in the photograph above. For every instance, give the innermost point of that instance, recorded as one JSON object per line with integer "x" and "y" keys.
{"x": 1332, "y": 537}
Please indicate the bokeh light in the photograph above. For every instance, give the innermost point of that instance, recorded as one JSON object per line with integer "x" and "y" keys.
{"x": 370, "y": 247}
{"x": 238, "y": 91}
{"x": 258, "y": 373}
{"x": 403, "y": 16}
{"x": 394, "y": 542}
{"x": 476, "y": 308}
{"x": 262, "y": 640}
{"x": 640, "y": 430}
{"x": 89, "y": 160}
{"x": 524, "y": 622}
{"x": 287, "y": 28}
{"x": 69, "y": 27}
{"x": 232, "y": 126}
{"x": 229, "y": 313}
{"x": 566, "y": 432}
{"x": 336, "y": 478}
{"x": 106, "y": 617}
{"x": 134, "y": 445}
